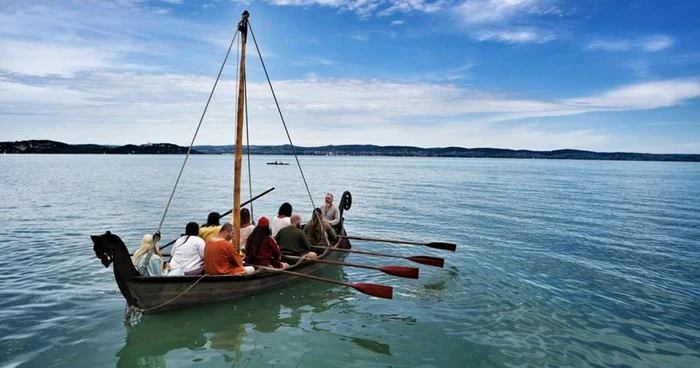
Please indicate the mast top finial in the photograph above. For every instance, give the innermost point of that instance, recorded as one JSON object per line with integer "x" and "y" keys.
{"x": 243, "y": 24}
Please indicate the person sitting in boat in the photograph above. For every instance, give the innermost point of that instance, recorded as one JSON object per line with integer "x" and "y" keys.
{"x": 212, "y": 227}
{"x": 292, "y": 240}
{"x": 282, "y": 219}
{"x": 261, "y": 249}
{"x": 188, "y": 252}
{"x": 220, "y": 257}
{"x": 155, "y": 262}
{"x": 330, "y": 211}
{"x": 320, "y": 232}
{"x": 246, "y": 227}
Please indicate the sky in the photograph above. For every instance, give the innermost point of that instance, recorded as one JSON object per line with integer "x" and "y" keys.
{"x": 602, "y": 75}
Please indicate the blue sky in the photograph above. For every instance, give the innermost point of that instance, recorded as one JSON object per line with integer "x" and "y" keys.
{"x": 604, "y": 75}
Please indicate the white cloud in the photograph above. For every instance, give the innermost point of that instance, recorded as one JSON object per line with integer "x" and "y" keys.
{"x": 359, "y": 36}
{"x": 515, "y": 36}
{"x": 652, "y": 43}
{"x": 176, "y": 2}
{"x": 47, "y": 40}
{"x": 495, "y": 20}
{"x": 73, "y": 78}
{"x": 369, "y": 8}
{"x": 50, "y": 58}
{"x": 495, "y": 11}
{"x": 165, "y": 107}
{"x": 656, "y": 43}
{"x": 644, "y": 96}
{"x": 396, "y": 22}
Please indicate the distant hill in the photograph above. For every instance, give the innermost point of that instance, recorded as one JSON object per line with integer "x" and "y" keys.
{"x": 372, "y": 150}
{"x": 46, "y": 146}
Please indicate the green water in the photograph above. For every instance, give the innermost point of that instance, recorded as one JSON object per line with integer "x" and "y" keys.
{"x": 559, "y": 263}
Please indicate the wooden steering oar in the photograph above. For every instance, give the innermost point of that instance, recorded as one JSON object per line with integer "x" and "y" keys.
{"x": 228, "y": 212}
{"x": 407, "y": 272}
{"x": 426, "y": 260}
{"x": 436, "y": 245}
{"x": 380, "y": 291}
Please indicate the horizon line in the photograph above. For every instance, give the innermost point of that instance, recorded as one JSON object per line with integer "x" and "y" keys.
{"x": 352, "y": 144}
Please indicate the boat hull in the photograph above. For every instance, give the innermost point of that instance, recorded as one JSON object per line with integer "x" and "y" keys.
{"x": 161, "y": 294}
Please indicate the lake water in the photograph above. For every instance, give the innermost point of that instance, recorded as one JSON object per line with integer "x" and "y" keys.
{"x": 559, "y": 263}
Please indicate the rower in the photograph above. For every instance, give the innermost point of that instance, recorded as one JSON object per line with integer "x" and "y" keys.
{"x": 293, "y": 241}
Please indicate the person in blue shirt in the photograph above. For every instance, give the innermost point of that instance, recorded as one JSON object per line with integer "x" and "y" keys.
{"x": 155, "y": 263}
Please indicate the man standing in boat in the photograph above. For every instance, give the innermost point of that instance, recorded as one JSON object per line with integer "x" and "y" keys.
{"x": 330, "y": 211}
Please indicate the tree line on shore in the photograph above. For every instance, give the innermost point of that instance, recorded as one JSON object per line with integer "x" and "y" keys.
{"x": 53, "y": 147}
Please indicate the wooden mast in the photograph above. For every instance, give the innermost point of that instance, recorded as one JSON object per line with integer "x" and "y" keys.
{"x": 236, "y": 218}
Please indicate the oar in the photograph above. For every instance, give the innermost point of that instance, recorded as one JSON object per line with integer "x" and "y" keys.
{"x": 380, "y": 291}
{"x": 407, "y": 272}
{"x": 228, "y": 212}
{"x": 436, "y": 245}
{"x": 248, "y": 201}
{"x": 426, "y": 260}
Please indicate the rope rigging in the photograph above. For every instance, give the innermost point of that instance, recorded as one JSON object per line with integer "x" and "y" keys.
{"x": 247, "y": 144}
{"x": 279, "y": 110}
{"x": 156, "y": 237}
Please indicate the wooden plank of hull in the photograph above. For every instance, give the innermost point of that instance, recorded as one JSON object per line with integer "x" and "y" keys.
{"x": 152, "y": 293}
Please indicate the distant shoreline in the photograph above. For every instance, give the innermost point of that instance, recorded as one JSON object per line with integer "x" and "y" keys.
{"x": 54, "y": 147}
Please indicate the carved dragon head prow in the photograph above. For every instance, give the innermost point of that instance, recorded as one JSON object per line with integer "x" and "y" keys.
{"x": 105, "y": 246}
{"x": 110, "y": 249}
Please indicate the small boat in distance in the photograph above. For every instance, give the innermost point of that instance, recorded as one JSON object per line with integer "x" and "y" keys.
{"x": 278, "y": 163}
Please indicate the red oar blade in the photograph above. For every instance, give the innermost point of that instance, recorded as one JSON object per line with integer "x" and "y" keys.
{"x": 407, "y": 272}
{"x": 443, "y": 246}
{"x": 380, "y": 291}
{"x": 428, "y": 261}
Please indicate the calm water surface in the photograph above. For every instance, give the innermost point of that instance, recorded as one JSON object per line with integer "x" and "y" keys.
{"x": 559, "y": 263}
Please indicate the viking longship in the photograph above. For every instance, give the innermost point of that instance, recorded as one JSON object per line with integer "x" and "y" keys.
{"x": 154, "y": 294}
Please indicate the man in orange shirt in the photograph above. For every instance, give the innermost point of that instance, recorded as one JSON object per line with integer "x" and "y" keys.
{"x": 219, "y": 256}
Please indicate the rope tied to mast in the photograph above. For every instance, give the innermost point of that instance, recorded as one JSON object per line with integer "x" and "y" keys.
{"x": 279, "y": 110}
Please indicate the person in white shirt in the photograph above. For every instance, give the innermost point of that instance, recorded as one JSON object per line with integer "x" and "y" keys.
{"x": 283, "y": 218}
{"x": 330, "y": 212}
{"x": 188, "y": 252}
{"x": 246, "y": 227}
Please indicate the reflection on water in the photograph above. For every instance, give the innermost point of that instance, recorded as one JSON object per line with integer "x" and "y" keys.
{"x": 223, "y": 328}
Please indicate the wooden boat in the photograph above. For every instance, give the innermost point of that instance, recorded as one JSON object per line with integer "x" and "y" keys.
{"x": 148, "y": 294}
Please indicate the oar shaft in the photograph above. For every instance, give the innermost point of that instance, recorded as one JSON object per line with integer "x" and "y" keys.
{"x": 426, "y": 260}
{"x": 436, "y": 245}
{"x": 337, "y": 263}
{"x": 248, "y": 201}
{"x": 361, "y": 252}
{"x": 384, "y": 240}
{"x": 330, "y": 281}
